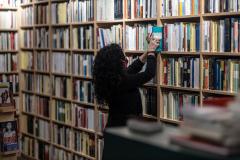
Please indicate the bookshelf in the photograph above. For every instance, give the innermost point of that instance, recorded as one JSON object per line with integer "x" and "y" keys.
{"x": 39, "y": 74}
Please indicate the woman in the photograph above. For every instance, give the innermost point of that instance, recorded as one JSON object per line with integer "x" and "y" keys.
{"x": 116, "y": 85}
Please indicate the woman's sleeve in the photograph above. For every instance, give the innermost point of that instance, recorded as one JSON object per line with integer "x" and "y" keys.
{"x": 138, "y": 79}
{"x": 135, "y": 67}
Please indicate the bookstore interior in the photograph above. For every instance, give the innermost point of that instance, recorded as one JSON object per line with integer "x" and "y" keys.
{"x": 48, "y": 110}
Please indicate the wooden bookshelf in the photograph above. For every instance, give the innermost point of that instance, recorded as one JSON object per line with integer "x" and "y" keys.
{"x": 159, "y": 20}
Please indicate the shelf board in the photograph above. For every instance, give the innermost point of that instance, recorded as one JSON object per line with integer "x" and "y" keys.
{"x": 83, "y": 129}
{"x": 8, "y": 30}
{"x": 27, "y": 70}
{"x": 41, "y": 25}
{"x": 9, "y": 73}
{"x": 28, "y": 134}
{"x": 216, "y": 92}
{"x": 43, "y": 72}
{"x": 62, "y": 123}
{"x": 150, "y": 116}
{"x": 62, "y": 99}
{"x": 83, "y": 103}
{"x": 180, "y": 53}
{"x": 137, "y": 20}
{"x": 61, "y": 25}
{"x": 75, "y": 24}
{"x": 173, "y": 18}
{"x": 27, "y": 27}
{"x": 42, "y": 94}
{"x": 150, "y": 85}
{"x": 42, "y": 49}
{"x": 62, "y": 147}
{"x": 82, "y": 77}
{"x": 176, "y": 122}
{"x": 221, "y": 54}
{"x": 180, "y": 88}
{"x": 9, "y": 153}
{"x": 8, "y": 51}
{"x": 100, "y": 134}
{"x": 83, "y": 155}
{"x": 27, "y": 49}
{"x": 83, "y": 50}
{"x": 221, "y": 14}
{"x": 37, "y": 116}
{"x": 41, "y": 2}
{"x": 28, "y": 92}
{"x": 60, "y": 50}
{"x": 109, "y": 22}
{"x": 43, "y": 140}
{"x": 8, "y": 8}
{"x": 134, "y": 52}
{"x": 27, "y": 156}
{"x": 62, "y": 74}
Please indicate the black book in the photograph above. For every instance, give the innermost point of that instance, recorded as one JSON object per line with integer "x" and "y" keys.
{"x": 227, "y": 35}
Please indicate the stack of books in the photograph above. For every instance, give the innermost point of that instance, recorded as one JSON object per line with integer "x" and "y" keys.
{"x": 211, "y": 129}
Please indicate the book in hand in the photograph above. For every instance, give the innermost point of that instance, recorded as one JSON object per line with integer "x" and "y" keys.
{"x": 8, "y": 136}
{"x": 5, "y": 95}
{"x": 157, "y": 32}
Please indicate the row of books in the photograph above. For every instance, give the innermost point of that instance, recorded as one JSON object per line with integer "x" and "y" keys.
{"x": 41, "y": 14}
{"x": 42, "y": 84}
{"x": 136, "y": 36}
{"x": 28, "y": 101}
{"x": 8, "y": 41}
{"x": 42, "y": 129}
{"x": 8, "y": 62}
{"x": 180, "y": 7}
{"x": 109, "y": 10}
{"x": 62, "y": 87}
{"x": 27, "y": 60}
{"x": 42, "y": 38}
{"x": 82, "y": 10}
{"x": 60, "y": 154}
{"x": 27, "y": 38}
{"x": 9, "y": 3}
{"x": 174, "y": 102}
{"x": 83, "y": 117}
{"x": 42, "y": 63}
{"x": 42, "y": 150}
{"x": 110, "y": 35}
{"x": 83, "y": 37}
{"x": 61, "y": 13}
{"x": 29, "y": 128}
{"x": 149, "y": 101}
{"x": 221, "y": 74}
{"x": 9, "y": 18}
{"x": 222, "y": 35}
{"x": 28, "y": 83}
{"x": 61, "y": 38}
{"x": 62, "y": 135}
{"x": 216, "y": 6}
{"x": 181, "y": 36}
{"x": 61, "y": 62}
{"x": 181, "y": 72}
{"x": 82, "y": 64}
{"x": 84, "y": 143}
{"x": 27, "y": 16}
{"x": 13, "y": 80}
{"x": 141, "y": 9}
{"x": 83, "y": 91}
{"x": 27, "y": 146}
{"x": 102, "y": 120}
{"x": 100, "y": 148}
{"x": 61, "y": 111}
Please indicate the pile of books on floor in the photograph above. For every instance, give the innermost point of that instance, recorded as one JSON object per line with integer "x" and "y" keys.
{"x": 211, "y": 129}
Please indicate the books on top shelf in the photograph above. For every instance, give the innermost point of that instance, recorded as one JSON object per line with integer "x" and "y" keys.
{"x": 42, "y": 150}
{"x": 41, "y": 14}
{"x": 82, "y": 10}
{"x": 174, "y": 102}
{"x": 62, "y": 87}
{"x": 84, "y": 143}
{"x": 109, "y": 10}
{"x": 8, "y": 41}
{"x": 83, "y": 37}
{"x": 222, "y": 35}
{"x": 8, "y": 62}
{"x": 8, "y": 19}
{"x": 61, "y": 38}
{"x": 102, "y": 121}
{"x": 181, "y": 36}
{"x": 42, "y": 84}
{"x": 27, "y": 36}
{"x": 61, "y": 111}
{"x": 181, "y": 72}
{"x": 42, "y": 37}
{"x": 42, "y": 63}
{"x": 62, "y": 135}
{"x": 221, "y": 74}
{"x": 83, "y": 91}
{"x": 149, "y": 101}
{"x": 180, "y": 7}
{"x": 61, "y": 62}
{"x": 83, "y": 117}
{"x": 217, "y": 6}
{"x": 13, "y": 80}
{"x": 28, "y": 83}
{"x": 42, "y": 129}
{"x": 61, "y": 13}
{"x": 60, "y": 154}
{"x": 27, "y": 16}
{"x": 27, "y": 60}
{"x": 107, "y": 36}
{"x": 9, "y": 3}
{"x": 141, "y": 9}
{"x": 82, "y": 64}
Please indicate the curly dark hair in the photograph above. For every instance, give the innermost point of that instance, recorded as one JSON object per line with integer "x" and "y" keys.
{"x": 107, "y": 72}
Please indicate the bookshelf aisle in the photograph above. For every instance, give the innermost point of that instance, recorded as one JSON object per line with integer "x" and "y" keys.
{"x": 59, "y": 40}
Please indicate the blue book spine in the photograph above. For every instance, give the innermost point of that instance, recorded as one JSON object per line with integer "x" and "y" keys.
{"x": 197, "y": 37}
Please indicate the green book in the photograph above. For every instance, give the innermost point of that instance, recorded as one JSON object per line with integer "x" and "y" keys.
{"x": 157, "y": 32}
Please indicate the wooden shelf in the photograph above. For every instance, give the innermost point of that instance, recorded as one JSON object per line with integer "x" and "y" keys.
{"x": 37, "y": 116}
{"x": 27, "y": 156}
{"x": 83, "y": 129}
{"x": 8, "y": 30}
{"x": 43, "y": 72}
{"x": 221, "y": 54}
{"x": 109, "y": 22}
{"x": 83, "y": 50}
{"x": 27, "y": 70}
{"x": 222, "y": 14}
{"x": 8, "y": 51}
{"x": 150, "y": 85}
{"x": 27, "y": 27}
{"x": 28, "y": 92}
{"x": 180, "y": 53}
{"x": 139, "y": 20}
{"x": 8, "y": 8}
{"x": 27, "y": 49}
{"x": 83, "y": 103}
{"x": 75, "y": 24}
{"x": 82, "y": 77}
{"x": 216, "y": 92}
{"x": 42, "y": 49}
{"x": 170, "y": 121}
{"x": 26, "y": 5}
{"x": 83, "y": 155}
{"x": 60, "y": 50}
{"x": 41, "y": 2}
{"x": 11, "y": 72}
{"x": 180, "y": 88}
{"x": 181, "y": 18}
{"x": 61, "y": 25}
{"x": 62, "y": 74}
{"x": 134, "y": 52}
{"x": 41, "y": 25}
{"x": 42, "y": 94}
{"x": 9, "y": 153}
{"x": 149, "y": 116}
